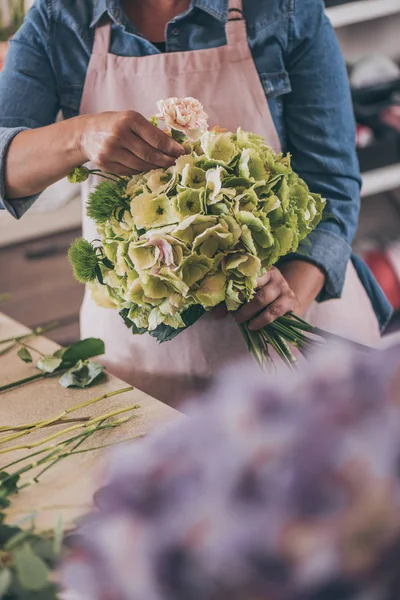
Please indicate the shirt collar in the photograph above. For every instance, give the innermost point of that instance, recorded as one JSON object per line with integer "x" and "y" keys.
{"x": 216, "y": 8}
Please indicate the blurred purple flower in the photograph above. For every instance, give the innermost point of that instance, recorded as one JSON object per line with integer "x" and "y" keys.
{"x": 276, "y": 488}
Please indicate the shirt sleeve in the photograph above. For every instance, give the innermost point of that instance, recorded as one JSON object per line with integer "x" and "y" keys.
{"x": 321, "y": 137}
{"x": 28, "y": 92}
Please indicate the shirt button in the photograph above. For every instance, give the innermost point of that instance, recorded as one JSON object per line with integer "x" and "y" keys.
{"x": 175, "y": 31}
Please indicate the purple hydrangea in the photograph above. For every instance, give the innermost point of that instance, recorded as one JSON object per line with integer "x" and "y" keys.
{"x": 275, "y": 488}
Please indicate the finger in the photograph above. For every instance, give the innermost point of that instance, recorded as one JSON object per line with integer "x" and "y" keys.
{"x": 280, "y": 307}
{"x": 157, "y": 138}
{"x": 116, "y": 169}
{"x": 264, "y": 279}
{"x": 148, "y": 154}
{"x": 220, "y": 311}
{"x": 131, "y": 161}
{"x": 263, "y": 297}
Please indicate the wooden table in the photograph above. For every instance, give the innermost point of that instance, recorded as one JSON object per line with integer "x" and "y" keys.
{"x": 67, "y": 488}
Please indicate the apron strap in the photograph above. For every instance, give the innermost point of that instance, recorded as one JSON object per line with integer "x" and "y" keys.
{"x": 236, "y": 31}
{"x": 102, "y": 38}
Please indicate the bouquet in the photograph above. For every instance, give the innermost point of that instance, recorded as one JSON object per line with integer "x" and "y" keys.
{"x": 284, "y": 488}
{"x": 176, "y": 242}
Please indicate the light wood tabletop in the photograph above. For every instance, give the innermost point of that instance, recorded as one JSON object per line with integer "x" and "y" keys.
{"x": 67, "y": 488}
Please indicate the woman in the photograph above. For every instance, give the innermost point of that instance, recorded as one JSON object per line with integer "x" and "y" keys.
{"x": 271, "y": 67}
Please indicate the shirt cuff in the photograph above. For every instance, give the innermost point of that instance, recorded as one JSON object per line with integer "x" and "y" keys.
{"x": 18, "y": 206}
{"x": 331, "y": 254}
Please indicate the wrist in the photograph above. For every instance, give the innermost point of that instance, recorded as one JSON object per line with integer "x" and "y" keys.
{"x": 305, "y": 279}
{"x": 77, "y": 146}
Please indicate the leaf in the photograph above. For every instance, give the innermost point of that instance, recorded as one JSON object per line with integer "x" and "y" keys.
{"x": 31, "y": 570}
{"x": 25, "y": 355}
{"x": 165, "y": 333}
{"x": 6, "y": 533}
{"x": 81, "y": 375}
{"x": 5, "y": 581}
{"x": 8, "y": 486}
{"x": 60, "y": 352}
{"x": 83, "y": 350}
{"x": 22, "y": 536}
{"x": 49, "y": 363}
{"x": 8, "y": 482}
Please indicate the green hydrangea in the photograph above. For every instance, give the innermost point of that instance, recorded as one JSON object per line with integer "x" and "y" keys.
{"x": 198, "y": 233}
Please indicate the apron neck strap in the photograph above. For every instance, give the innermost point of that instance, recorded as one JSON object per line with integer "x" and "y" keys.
{"x": 102, "y": 37}
{"x": 236, "y": 26}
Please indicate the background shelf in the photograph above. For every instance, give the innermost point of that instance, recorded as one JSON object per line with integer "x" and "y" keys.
{"x": 380, "y": 180}
{"x": 363, "y": 10}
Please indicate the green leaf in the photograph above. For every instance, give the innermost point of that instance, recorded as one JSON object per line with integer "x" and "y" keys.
{"x": 60, "y": 352}
{"x": 5, "y": 581}
{"x": 22, "y": 536}
{"x": 49, "y": 363}
{"x": 165, "y": 333}
{"x": 25, "y": 355}
{"x": 6, "y": 533}
{"x": 31, "y": 570}
{"x": 81, "y": 375}
{"x": 8, "y": 482}
{"x": 83, "y": 350}
{"x": 78, "y": 175}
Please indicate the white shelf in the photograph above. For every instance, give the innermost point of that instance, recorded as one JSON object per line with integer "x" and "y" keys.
{"x": 380, "y": 180}
{"x": 363, "y": 10}
{"x": 36, "y": 225}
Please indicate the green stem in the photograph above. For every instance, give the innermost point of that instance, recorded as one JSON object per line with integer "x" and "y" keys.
{"x": 29, "y": 347}
{"x": 14, "y": 384}
{"x": 53, "y": 448}
{"x": 35, "y": 332}
{"x": 30, "y": 426}
{"x": 87, "y": 426}
{"x": 47, "y": 422}
{"x": 54, "y": 462}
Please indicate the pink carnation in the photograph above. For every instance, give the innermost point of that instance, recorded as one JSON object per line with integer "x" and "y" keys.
{"x": 184, "y": 114}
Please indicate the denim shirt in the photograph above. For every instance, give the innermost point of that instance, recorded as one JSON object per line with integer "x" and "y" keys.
{"x": 300, "y": 67}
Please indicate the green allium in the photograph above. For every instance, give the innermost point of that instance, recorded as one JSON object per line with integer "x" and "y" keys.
{"x": 84, "y": 260}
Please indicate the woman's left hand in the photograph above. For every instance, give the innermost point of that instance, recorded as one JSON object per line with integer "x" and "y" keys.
{"x": 273, "y": 298}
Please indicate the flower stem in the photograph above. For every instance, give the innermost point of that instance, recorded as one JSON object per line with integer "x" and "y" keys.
{"x": 35, "y": 332}
{"x": 54, "y": 420}
{"x": 30, "y": 426}
{"x": 87, "y": 425}
{"x": 14, "y": 384}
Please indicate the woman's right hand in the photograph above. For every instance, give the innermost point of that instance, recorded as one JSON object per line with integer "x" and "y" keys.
{"x": 125, "y": 142}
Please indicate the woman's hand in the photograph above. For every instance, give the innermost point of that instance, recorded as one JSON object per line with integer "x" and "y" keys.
{"x": 273, "y": 298}
{"x": 292, "y": 288}
{"x": 124, "y": 142}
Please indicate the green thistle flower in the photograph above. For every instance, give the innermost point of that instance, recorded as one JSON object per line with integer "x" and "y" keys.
{"x": 84, "y": 261}
{"x": 104, "y": 200}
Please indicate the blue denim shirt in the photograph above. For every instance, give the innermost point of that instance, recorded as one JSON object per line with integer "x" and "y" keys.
{"x": 300, "y": 67}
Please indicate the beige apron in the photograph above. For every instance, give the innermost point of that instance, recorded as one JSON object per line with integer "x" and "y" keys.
{"x": 226, "y": 81}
